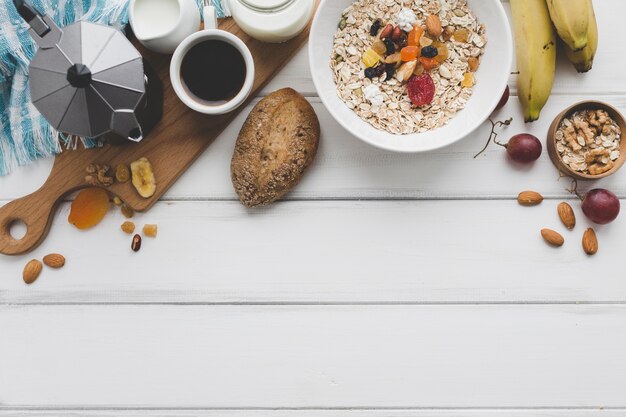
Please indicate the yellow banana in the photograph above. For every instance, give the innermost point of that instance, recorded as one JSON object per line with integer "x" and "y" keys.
{"x": 571, "y": 19}
{"x": 535, "y": 43}
{"x": 583, "y": 59}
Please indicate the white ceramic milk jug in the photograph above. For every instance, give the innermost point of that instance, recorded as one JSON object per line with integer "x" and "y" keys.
{"x": 161, "y": 25}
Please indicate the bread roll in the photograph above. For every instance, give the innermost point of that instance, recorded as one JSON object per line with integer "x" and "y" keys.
{"x": 277, "y": 142}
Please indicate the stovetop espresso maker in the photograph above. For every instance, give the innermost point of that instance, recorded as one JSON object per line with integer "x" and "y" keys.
{"x": 88, "y": 80}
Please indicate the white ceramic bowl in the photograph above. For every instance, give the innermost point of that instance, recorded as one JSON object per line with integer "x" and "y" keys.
{"x": 492, "y": 78}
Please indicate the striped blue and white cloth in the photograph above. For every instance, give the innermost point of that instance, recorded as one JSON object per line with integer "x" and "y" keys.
{"x": 25, "y": 135}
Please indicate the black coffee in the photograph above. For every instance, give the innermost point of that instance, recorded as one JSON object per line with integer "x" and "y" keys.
{"x": 214, "y": 71}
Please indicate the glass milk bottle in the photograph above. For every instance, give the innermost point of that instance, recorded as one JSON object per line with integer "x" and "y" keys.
{"x": 272, "y": 21}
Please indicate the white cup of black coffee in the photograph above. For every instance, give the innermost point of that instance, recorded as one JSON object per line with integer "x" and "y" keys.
{"x": 212, "y": 71}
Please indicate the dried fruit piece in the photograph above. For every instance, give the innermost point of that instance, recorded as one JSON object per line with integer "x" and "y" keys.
{"x": 370, "y": 58}
{"x": 421, "y": 89}
{"x": 552, "y": 237}
{"x": 390, "y": 69}
{"x": 117, "y": 201}
{"x": 461, "y": 35}
{"x": 379, "y": 47}
{"x": 448, "y": 32}
{"x": 122, "y": 173}
{"x": 403, "y": 41}
{"x": 143, "y": 177}
{"x": 468, "y": 80}
{"x": 419, "y": 69}
{"x": 397, "y": 33}
{"x": 406, "y": 71}
{"x": 150, "y": 230}
{"x": 375, "y": 27}
{"x": 442, "y": 52}
{"x": 376, "y": 71}
{"x": 54, "y": 260}
{"x": 425, "y": 41}
{"x": 414, "y": 36}
{"x": 429, "y": 51}
{"x": 529, "y": 198}
{"x": 387, "y": 31}
{"x": 567, "y": 216}
{"x": 389, "y": 46}
{"x": 428, "y": 63}
{"x": 31, "y": 271}
{"x": 433, "y": 25}
{"x": 409, "y": 53}
{"x": 590, "y": 242}
{"x": 135, "y": 244}
{"x": 473, "y": 63}
{"x": 393, "y": 58}
{"x": 128, "y": 227}
{"x": 89, "y": 208}
{"x": 127, "y": 211}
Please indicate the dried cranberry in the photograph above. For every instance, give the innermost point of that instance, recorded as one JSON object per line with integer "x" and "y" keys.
{"x": 421, "y": 89}
{"x": 429, "y": 51}
{"x": 375, "y": 27}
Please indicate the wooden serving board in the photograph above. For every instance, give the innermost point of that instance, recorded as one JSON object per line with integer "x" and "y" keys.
{"x": 172, "y": 146}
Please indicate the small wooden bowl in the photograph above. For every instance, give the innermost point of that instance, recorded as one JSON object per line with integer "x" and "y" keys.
{"x": 586, "y": 105}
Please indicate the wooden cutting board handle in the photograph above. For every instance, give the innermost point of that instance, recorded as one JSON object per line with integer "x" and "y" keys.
{"x": 36, "y": 211}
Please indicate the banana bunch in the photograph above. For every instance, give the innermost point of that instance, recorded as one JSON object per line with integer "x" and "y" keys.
{"x": 534, "y": 23}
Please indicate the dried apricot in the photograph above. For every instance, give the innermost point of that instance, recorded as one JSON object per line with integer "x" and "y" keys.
{"x": 409, "y": 53}
{"x": 89, "y": 208}
{"x": 428, "y": 63}
{"x": 415, "y": 35}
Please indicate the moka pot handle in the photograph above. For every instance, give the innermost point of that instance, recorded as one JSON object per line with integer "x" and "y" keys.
{"x": 42, "y": 28}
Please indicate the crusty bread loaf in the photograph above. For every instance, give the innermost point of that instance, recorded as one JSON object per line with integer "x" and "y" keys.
{"x": 277, "y": 142}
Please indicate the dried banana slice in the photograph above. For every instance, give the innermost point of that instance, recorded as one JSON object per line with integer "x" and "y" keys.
{"x": 143, "y": 177}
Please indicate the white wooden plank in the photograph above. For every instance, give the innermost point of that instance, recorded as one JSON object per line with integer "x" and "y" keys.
{"x": 347, "y": 168}
{"x": 605, "y": 78}
{"x": 313, "y": 356}
{"x": 327, "y": 252}
{"x": 594, "y": 412}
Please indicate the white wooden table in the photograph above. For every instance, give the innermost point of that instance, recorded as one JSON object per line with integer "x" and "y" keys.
{"x": 385, "y": 286}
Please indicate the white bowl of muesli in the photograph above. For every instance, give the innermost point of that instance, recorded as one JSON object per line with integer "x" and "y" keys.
{"x": 410, "y": 75}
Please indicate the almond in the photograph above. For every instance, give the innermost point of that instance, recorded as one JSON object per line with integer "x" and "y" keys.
{"x": 31, "y": 271}
{"x": 567, "y": 216}
{"x": 552, "y": 237}
{"x": 590, "y": 242}
{"x": 529, "y": 198}
{"x": 433, "y": 25}
{"x": 54, "y": 260}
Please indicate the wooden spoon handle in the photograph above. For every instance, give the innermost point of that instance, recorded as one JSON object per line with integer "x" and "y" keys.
{"x": 36, "y": 211}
